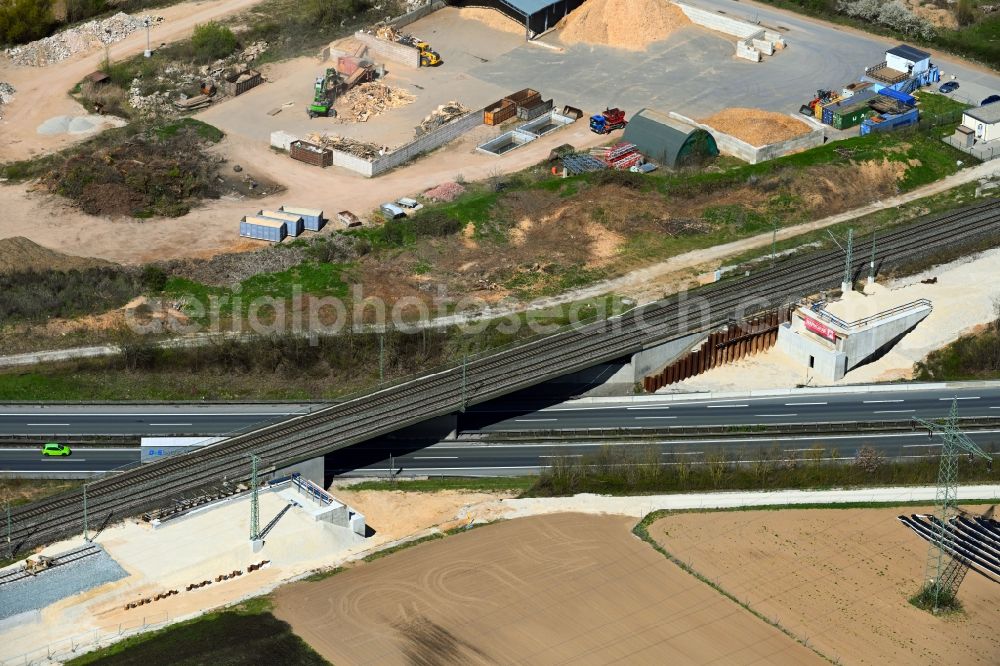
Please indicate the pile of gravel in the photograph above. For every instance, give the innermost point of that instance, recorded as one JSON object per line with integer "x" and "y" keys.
{"x": 50, "y": 585}
{"x": 62, "y": 45}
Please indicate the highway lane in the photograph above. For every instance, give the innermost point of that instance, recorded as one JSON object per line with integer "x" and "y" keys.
{"x": 801, "y": 408}
{"x": 214, "y": 419}
{"x": 464, "y": 459}
{"x": 24, "y": 460}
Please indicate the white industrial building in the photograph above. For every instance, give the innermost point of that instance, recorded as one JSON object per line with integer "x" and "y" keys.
{"x": 983, "y": 122}
{"x": 830, "y": 339}
{"x": 907, "y": 59}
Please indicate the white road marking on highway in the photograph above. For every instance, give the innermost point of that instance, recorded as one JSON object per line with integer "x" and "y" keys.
{"x": 894, "y": 411}
{"x": 652, "y": 407}
{"x": 681, "y": 453}
{"x": 169, "y": 424}
{"x": 639, "y": 418}
{"x": 868, "y": 402}
{"x": 796, "y": 404}
{"x": 533, "y": 420}
{"x": 775, "y": 414}
{"x": 46, "y": 424}
{"x": 435, "y": 457}
{"x": 568, "y": 455}
{"x": 725, "y": 406}
{"x": 966, "y": 397}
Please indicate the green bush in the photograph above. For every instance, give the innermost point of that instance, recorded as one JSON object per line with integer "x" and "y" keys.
{"x": 25, "y": 20}
{"x": 212, "y": 41}
{"x": 81, "y": 10}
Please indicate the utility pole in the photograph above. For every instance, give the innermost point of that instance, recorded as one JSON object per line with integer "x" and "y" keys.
{"x": 944, "y": 574}
{"x": 381, "y": 356}
{"x": 86, "y": 533}
{"x": 465, "y": 362}
{"x": 871, "y": 265}
{"x": 254, "y": 502}
{"x": 10, "y": 548}
{"x": 847, "y": 284}
{"x": 774, "y": 240}
{"x": 148, "y": 52}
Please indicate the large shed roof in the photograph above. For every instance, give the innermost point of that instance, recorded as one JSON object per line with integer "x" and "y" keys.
{"x": 667, "y": 141}
{"x": 528, "y": 7}
{"x": 908, "y": 52}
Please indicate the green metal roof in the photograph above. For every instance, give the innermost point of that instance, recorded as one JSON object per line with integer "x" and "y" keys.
{"x": 667, "y": 141}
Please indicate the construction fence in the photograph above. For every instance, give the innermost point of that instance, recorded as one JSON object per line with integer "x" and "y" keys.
{"x": 71, "y": 647}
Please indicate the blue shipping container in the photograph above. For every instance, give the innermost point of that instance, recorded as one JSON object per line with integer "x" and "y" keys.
{"x": 293, "y": 223}
{"x": 312, "y": 217}
{"x": 890, "y": 123}
{"x": 262, "y": 228}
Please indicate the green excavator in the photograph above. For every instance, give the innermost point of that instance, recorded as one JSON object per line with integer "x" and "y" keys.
{"x": 324, "y": 94}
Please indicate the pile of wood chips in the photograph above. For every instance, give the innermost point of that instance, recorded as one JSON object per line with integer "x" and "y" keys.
{"x": 367, "y": 151}
{"x": 757, "y": 127}
{"x": 622, "y": 24}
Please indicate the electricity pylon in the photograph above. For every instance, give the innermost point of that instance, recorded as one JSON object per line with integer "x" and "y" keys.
{"x": 254, "y": 504}
{"x": 945, "y": 573}
{"x": 847, "y": 284}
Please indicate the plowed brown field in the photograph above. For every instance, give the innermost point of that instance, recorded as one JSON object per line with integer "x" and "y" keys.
{"x": 839, "y": 578}
{"x": 559, "y": 589}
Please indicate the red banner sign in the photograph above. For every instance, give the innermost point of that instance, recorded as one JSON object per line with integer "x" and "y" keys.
{"x": 820, "y": 329}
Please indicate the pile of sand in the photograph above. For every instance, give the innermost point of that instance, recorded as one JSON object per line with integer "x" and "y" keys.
{"x": 492, "y": 18}
{"x": 756, "y": 127}
{"x": 20, "y": 254}
{"x": 623, "y": 24}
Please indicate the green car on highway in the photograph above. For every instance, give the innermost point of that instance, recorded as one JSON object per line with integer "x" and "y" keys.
{"x": 55, "y": 449}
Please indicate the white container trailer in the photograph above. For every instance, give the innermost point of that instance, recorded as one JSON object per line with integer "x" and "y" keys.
{"x": 313, "y": 217}
{"x": 263, "y": 228}
{"x": 293, "y": 223}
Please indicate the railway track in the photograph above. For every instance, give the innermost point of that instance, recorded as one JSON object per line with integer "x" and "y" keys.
{"x": 482, "y": 378}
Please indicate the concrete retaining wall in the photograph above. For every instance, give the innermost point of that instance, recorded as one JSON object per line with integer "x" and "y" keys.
{"x": 730, "y": 145}
{"x": 428, "y": 142}
{"x": 417, "y": 14}
{"x": 399, "y": 53}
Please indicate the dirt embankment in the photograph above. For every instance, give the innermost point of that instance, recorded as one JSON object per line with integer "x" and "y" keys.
{"x": 622, "y": 24}
{"x": 756, "y": 127}
{"x": 556, "y": 589}
{"x": 491, "y": 18}
{"x": 840, "y": 578}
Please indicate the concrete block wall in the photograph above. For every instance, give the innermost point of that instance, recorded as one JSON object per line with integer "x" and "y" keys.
{"x": 398, "y": 53}
{"x": 428, "y": 142}
{"x": 730, "y": 145}
{"x": 352, "y": 163}
{"x": 417, "y": 14}
{"x": 752, "y": 40}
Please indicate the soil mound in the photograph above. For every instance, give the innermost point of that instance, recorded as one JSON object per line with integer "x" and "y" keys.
{"x": 623, "y": 24}
{"x": 20, "y": 254}
{"x": 756, "y": 127}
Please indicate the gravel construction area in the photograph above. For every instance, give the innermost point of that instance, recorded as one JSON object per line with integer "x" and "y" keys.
{"x": 51, "y": 585}
{"x": 623, "y": 24}
{"x": 84, "y": 37}
{"x": 757, "y": 127}
{"x": 839, "y": 578}
{"x": 551, "y": 590}
{"x": 962, "y": 297}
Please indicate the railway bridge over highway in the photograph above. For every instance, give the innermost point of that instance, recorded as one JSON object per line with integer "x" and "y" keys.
{"x": 485, "y": 377}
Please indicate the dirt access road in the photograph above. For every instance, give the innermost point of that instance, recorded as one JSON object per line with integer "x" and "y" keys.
{"x": 43, "y": 92}
{"x": 555, "y": 589}
{"x": 839, "y": 578}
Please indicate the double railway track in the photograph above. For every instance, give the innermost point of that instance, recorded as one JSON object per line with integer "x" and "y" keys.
{"x": 483, "y": 378}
